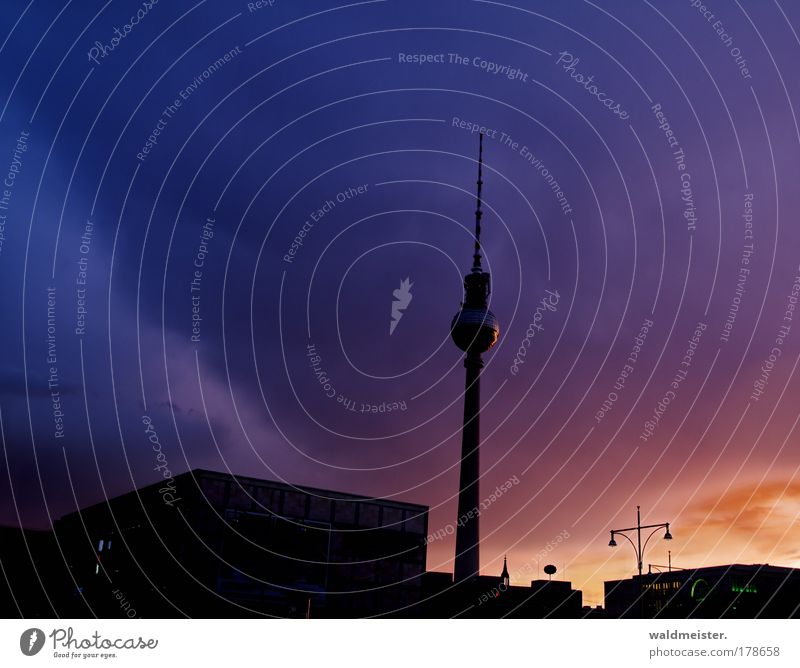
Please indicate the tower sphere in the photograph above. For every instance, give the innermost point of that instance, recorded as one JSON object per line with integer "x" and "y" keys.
{"x": 475, "y": 329}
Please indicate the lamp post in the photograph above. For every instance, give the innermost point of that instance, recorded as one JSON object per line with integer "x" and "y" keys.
{"x": 658, "y": 567}
{"x": 638, "y": 547}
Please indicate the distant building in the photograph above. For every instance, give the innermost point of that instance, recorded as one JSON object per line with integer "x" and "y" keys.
{"x": 218, "y": 545}
{"x": 555, "y": 598}
{"x": 491, "y": 597}
{"x": 743, "y": 591}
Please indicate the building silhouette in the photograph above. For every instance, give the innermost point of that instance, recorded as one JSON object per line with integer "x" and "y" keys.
{"x": 219, "y": 545}
{"x": 494, "y": 597}
{"x": 239, "y": 546}
{"x": 235, "y": 546}
{"x": 31, "y": 573}
{"x": 734, "y": 591}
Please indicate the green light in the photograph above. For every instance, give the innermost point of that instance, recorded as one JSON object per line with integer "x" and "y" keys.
{"x": 748, "y": 589}
{"x": 694, "y": 587}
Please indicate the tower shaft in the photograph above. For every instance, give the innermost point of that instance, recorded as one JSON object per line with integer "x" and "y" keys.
{"x": 467, "y": 561}
{"x": 474, "y": 330}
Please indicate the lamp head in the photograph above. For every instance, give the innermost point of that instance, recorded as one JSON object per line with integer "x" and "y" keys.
{"x": 612, "y": 542}
{"x": 668, "y": 535}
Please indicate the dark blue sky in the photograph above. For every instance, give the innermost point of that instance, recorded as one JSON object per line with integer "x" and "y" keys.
{"x": 285, "y": 107}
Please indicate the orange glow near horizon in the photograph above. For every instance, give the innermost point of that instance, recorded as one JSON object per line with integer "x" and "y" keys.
{"x": 749, "y": 523}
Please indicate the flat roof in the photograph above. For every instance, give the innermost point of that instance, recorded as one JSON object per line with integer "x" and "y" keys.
{"x": 198, "y": 474}
{"x": 705, "y": 569}
{"x": 325, "y": 493}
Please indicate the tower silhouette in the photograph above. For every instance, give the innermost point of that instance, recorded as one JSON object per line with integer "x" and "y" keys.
{"x": 474, "y": 330}
{"x": 505, "y": 578}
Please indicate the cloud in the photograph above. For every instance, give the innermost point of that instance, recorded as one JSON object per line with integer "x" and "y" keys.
{"x": 750, "y": 521}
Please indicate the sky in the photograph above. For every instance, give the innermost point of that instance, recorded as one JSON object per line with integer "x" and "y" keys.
{"x": 209, "y": 210}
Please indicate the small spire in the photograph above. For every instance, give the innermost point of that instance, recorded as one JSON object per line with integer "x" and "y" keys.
{"x": 476, "y": 258}
{"x": 504, "y": 575}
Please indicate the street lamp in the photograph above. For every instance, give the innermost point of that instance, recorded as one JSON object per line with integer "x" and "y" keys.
{"x": 638, "y": 547}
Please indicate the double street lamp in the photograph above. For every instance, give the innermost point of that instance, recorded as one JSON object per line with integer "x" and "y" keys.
{"x": 638, "y": 546}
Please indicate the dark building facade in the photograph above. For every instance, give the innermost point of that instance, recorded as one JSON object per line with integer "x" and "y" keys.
{"x": 490, "y": 597}
{"x": 217, "y": 545}
{"x": 735, "y": 591}
{"x": 31, "y": 571}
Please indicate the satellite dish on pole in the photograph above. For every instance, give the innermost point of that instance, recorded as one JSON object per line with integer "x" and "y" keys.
{"x": 550, "y": 570}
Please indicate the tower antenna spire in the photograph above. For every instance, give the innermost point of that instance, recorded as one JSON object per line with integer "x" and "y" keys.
{"x": 476, "y": 258}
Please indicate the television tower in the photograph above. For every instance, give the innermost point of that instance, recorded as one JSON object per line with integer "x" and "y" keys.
{"x": 474, "y": 330}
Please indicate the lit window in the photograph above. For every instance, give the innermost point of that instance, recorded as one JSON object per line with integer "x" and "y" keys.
{"x": 100, "y": 546}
